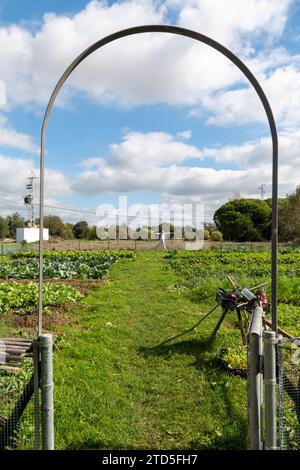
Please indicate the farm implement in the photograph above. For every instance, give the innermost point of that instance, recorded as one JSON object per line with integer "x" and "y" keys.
{"x": 242, "y": 301}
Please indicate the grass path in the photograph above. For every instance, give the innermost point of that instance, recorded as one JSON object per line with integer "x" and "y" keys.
{"x": 114, "y": 389}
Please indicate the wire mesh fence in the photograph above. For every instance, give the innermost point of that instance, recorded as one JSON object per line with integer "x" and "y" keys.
{"x": 289, "y": 394}
{"x": 16, "y": 407}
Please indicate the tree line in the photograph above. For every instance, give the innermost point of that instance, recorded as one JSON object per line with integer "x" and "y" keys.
{"x": 57, "y": 228}
{"x": 244, "y": 220}
{"x": 238, "y": 220}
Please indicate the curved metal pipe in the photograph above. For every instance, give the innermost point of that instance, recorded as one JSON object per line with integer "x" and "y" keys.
{"x": 244, "y": 69}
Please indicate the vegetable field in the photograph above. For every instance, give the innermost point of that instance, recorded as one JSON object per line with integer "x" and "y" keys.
{"x": 203, "y": 272}
{"x": 22, "y": 297}
{"x": 117, "y": 386}
{"x": 61, "y": 265}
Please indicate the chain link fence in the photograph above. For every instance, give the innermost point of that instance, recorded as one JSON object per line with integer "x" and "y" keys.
{"x": 26, "y": 396}
{"x": 289, "y": 394}
{"x": 16, "y": 407}
{"x": 273, "y": 388}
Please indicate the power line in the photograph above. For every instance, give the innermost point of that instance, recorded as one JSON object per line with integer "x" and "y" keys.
{"x": 110, "y": 214}
{"x": 67, "y": 209}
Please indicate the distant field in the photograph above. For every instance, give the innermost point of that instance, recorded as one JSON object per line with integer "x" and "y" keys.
{"x": 138, "y": 245}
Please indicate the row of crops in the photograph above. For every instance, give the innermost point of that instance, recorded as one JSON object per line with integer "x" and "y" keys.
{"x": 22, "y": 297}
{"x": 61, "y": 264}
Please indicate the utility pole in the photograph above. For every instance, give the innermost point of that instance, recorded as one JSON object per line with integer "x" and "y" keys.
{"x": 29, "y": 199}
{"x": 262, "y": 191}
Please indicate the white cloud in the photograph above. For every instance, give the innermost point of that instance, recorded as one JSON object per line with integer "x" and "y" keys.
{"x": 240, "y": 106}
{"x": 141, "y": 69}
{"x": 157, "y": 68}
{"x": 138, "y": 156}
{"x": 14, "y": 173}
{"x": 227, "y": 22}
{"x": 9, "y": 137}
{"x": 259, "y": 152}
{"x": 2, "y": 93}
{"x": 161, "y": 163}
{"x": 184, "y": 135}
{"x": 157, "y": 162}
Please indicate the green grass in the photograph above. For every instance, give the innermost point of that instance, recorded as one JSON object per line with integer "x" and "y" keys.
{"x": 115, "y": 388}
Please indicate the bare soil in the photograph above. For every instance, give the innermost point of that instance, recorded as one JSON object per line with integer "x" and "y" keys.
{"x": 54, "y": 316}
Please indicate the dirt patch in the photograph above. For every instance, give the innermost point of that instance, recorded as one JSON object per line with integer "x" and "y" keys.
{"x": 56, "y": 315}
{"x": 53, "y": 318}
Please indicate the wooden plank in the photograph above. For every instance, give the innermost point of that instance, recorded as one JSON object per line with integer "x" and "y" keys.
{"x": 16, "y": 360}
{"x": 16, "y": 365}
{"x": 280, "y": 330}
{"x": 9, "y": 368}
{"x": 17, "y": 338}
{"x": 14, "y": 357}
{"x": 21, "y": 344}
{"x": 12, "y": 352}
{"x": 17, "y": 344}
{"x": 14, "y": 345}
{"x": 15, "y": 352}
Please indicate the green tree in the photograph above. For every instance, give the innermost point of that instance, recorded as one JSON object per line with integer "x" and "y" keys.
{"x": 4, "y": 230}
{"x": 80, "y": 229}
{"x": 92, "y": 233}
{"x": 14, "y": 221}
{"x": 210, "y": 227}
{"x": 289, "y": 217}
{"x": 216, "y": 236}
{"x": 206, "y": 234}
{"x": 68, "y": 232}
{"x": 243, "y": 220}
{"x": 55, "y": 225}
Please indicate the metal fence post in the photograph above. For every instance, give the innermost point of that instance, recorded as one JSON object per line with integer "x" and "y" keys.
{"x": 255, "y": 381}
{"x": 46, "y": 385}
{"x": 36, "y": 375}
{"x": 281, "y": 391}
{"x": 270, "y": 341}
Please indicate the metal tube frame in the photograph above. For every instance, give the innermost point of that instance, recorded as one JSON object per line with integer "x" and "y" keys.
{"x": 248, "y": 74}
{"x": 46, "y": 385}
{"x": 36, "y": 374}
{"x": 270, "y": 341}
{"x": 255, "y": 381}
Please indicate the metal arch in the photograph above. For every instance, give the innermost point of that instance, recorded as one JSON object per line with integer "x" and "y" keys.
{"x": 244, "y": 69}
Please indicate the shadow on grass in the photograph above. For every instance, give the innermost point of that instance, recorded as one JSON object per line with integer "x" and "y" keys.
{"x": 193, "y": 347}
{"x": 208, "y": 360}
{"x": 238, "y": 441}
{"x": 97, "y": 445}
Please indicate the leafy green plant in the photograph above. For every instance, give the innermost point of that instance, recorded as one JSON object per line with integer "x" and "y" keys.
{"x": 235, "y": 359}
{"x": 62, "y": 264}
{"x": 22, "y": 297}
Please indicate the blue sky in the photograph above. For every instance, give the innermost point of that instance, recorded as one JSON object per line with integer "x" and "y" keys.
{"x": 159, "y": 118}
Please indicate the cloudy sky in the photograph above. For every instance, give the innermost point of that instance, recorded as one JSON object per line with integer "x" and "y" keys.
{"x": 157, "y": 117}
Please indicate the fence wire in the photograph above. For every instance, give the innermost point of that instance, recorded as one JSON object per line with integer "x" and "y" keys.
{"x": 16, "y": 408}
{"x": 289, "y": 394}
